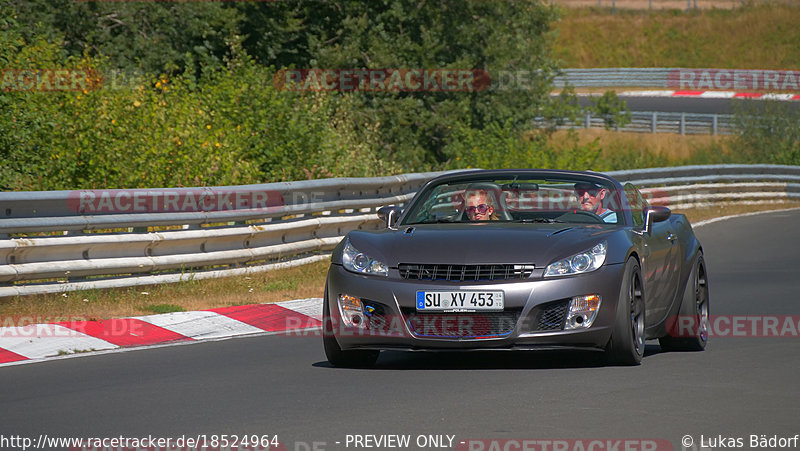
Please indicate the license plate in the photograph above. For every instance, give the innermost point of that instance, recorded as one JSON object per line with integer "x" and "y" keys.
{"x": 461, "y": 301}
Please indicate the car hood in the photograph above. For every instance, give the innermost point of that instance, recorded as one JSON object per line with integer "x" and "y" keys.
{"x": 479, "y": 243}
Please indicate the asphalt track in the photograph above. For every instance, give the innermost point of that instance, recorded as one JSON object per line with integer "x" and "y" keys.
{"x": 283, "y": 385}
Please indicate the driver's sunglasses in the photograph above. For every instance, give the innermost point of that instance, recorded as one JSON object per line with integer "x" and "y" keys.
{"x": 481, "y": 209}
{"x": 592, "y": 192}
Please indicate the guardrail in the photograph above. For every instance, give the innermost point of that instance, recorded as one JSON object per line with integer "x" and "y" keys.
{"x": 221, "y": 230}
{"x": 660, "y": 122}
{"x": 680, "y": 78}
{"x": 246, "y": 229}
{"x": 657, "y": 4}
{"x": 726, "y": 184}
{"x": 614, "y": 77}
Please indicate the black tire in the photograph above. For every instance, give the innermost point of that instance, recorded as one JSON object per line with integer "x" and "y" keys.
{"x": 695, "y": 305}
{"x": 626, "y": 346}
{"x": 336, "y": 356}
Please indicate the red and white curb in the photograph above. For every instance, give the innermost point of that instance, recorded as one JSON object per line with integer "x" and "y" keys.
{"x": 712, "y": 95}
{"x": 20, "y": 344}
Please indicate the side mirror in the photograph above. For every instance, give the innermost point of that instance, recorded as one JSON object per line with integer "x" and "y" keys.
{"x": 389, "y": 215}
{"x": 654, "y": 214}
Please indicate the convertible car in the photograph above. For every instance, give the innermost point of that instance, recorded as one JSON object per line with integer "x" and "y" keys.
{"x": 518, "y": 259}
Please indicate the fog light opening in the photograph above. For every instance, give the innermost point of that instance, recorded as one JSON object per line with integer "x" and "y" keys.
{"x": 582, "y": 311}
{"x": 351, "y": 309}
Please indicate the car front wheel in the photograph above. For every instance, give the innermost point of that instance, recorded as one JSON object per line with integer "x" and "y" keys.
{"x": 626, "y": 346}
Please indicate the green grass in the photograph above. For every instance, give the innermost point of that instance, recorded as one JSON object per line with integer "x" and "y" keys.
{"x": 281, "y": 285}
{"x": 164, "y": 308}
{"x": 763, "y": 36}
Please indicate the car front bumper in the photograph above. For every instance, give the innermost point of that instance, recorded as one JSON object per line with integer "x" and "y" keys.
{"x": 529, "y": 319}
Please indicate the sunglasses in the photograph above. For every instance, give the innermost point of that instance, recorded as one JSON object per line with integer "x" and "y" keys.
{"x": 481, "y": 209}
{"x": 592, "y": 192}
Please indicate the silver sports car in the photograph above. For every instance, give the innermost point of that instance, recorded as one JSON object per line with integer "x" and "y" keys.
{"x": 518, "y": 259}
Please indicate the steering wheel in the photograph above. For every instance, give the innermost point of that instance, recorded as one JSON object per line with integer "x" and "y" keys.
{"x": 581, "y": 216}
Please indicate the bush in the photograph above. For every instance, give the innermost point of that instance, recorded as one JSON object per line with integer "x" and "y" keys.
{"x": 612, "y": 109}
{"x": 768, "y": 132}
{"x": 229, "y": 126}
{"x": 501, "y": 146}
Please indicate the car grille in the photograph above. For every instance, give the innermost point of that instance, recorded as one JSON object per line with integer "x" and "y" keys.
{"x": 463, "y": 273}
{"x": 550, "y": 316}
{"x": 462, "y": 325}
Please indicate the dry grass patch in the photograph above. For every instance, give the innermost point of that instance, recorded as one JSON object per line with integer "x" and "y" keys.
{"x": 733, "y": 39}
{"x": 669, "y": 147}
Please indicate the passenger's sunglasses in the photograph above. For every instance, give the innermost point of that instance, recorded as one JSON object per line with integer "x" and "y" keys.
{"x": 481, "y": 209}
{"x": 592, "y": 192}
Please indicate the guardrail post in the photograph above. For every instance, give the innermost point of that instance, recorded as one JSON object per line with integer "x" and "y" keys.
{"x": 683, "y": 123}
{"x": 588, "y": 120}
{"x": 653, "y": 122}
{"x": 714, "y": 125}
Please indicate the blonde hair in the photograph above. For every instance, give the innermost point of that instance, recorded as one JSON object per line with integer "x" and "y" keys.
{"x": 489, "y": 201}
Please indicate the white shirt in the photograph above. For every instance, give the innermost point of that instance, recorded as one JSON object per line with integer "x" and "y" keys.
{"x": 609, "y": 216}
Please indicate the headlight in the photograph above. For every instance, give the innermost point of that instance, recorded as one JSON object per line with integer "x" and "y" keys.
{"x": 356, "y": 261}
{"x": 580, "y": 263}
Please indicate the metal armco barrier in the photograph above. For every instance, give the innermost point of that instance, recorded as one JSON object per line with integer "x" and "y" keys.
{"x": 220, "y": 231}
{"x": 248, "y": 229}
{"x": 682, "y": 79}
{"x": 656, "y": 122}
{"x": 707, "y": 185}
{"x": 613, "y": 78}
{"x": 658, "y": 4}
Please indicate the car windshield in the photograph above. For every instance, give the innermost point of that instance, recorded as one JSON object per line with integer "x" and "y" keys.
{"x": 523, "y": 199}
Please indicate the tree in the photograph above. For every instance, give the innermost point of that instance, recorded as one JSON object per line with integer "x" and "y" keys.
{"x": 506, "y": 39}
{"x": 146, "y": 37}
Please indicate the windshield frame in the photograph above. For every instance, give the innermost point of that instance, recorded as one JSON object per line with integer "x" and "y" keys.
{"x": 419, "y": 209}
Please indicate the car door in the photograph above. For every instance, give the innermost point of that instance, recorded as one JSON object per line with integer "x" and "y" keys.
{"x": 662, "y": 243}
{"x": 656, "y": 255}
